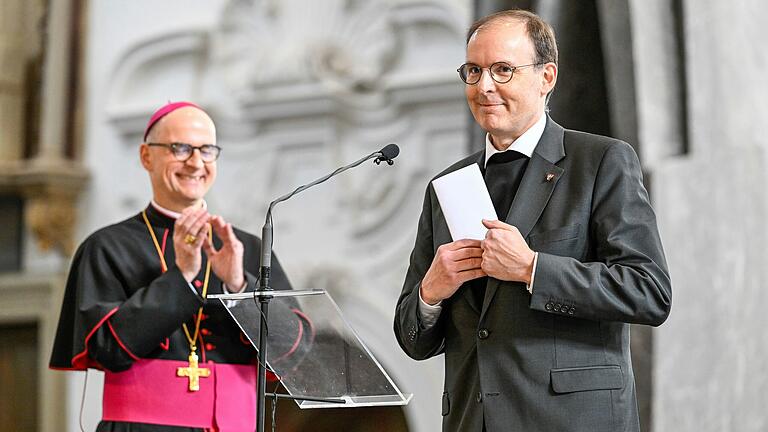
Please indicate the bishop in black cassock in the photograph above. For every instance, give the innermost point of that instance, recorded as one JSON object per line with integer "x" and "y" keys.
{"x": 128, "y": 298}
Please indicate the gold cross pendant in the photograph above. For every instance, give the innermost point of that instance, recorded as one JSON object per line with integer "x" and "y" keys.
{"x": 193, "y": 372}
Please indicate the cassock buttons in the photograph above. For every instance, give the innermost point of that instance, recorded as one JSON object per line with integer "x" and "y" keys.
{"x": 205, "y": 331}
{"x": 210, "y": 347}
{"x": 483, "y": 333}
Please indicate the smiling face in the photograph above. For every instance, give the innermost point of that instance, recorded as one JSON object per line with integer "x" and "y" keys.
{"x": 176, "y": 184}
{"x": 507, "y": 110}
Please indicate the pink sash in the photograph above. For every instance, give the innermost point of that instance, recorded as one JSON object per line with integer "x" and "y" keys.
{"x": 150, "y": 392}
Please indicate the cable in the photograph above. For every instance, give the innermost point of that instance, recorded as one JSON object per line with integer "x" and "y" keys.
{"x": 266, "y": 326}
{"x": 274, "y": 410}
{"x": 82, "y": 401}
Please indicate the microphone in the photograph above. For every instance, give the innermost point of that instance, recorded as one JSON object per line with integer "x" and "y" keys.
{"x": 386, "y": 154}
{"x": 389, "y": 152}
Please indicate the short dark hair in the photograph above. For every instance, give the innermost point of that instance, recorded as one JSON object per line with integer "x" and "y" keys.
{"x": 540, "y": 33}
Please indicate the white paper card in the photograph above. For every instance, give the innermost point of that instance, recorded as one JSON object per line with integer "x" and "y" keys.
{"x": 465, "y": 202}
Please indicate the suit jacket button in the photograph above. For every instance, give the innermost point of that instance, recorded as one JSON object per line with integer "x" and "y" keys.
{"x": 557, "y": 307}
{"x": 479, "y": 397}
{"x": 548, "y": 306}
{"x": 571, "y": 311}
{"x": 483, "y": 333}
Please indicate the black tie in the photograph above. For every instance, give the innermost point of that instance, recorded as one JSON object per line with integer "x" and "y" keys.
{"x": 502, "y": 175}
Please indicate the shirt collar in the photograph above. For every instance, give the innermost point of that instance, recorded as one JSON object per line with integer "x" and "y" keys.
{"x": 170, "y": 213}
{"x": 524, "y": 144}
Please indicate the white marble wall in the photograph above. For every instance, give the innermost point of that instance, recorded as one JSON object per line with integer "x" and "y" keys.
{"x": 297, "y": 88}
{"x": 709, "y": 358}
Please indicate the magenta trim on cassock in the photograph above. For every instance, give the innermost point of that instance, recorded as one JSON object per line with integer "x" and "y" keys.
{"x": 150, "y": 392}
{"x": 120, "y": 342}
{"x": 81, "y": 360}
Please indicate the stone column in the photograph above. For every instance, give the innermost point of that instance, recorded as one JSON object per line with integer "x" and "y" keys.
{"x": 49, "y": 180}
{"x": 55, "y": 83}
{"x": 35, "y": 168}
{"x": 13, "y": 54}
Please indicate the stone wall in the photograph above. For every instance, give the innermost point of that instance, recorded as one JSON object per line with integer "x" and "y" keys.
{"x": 709, "y": 358}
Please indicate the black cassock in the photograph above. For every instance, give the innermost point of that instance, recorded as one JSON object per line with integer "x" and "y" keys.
{"x": 119, "y": 306}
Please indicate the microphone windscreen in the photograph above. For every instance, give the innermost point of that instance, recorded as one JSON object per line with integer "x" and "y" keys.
{"x": 390, "y": 151}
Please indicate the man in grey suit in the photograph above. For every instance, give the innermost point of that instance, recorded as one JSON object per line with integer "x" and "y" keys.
{"x": 534, "y": 319}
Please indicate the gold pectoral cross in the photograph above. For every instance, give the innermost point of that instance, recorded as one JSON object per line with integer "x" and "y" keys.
{"x": 193, "y": 372}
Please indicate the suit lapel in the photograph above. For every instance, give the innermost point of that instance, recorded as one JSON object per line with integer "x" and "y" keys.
{"x": 535, "y": 189}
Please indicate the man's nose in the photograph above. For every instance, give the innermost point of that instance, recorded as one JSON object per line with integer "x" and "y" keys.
{"x": 486, "y": 82}
{"x": 196, "y": 159}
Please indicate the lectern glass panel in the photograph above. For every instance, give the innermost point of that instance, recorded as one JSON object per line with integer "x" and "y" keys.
{"x": 313, "y": 350}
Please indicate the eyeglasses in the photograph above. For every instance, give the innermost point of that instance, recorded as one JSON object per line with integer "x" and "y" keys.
{"x": 182, "y": 151}
{"x": 501, "y": 72}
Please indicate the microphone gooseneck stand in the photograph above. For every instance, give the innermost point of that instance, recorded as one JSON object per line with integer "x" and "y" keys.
{"x": 389, "y": 152}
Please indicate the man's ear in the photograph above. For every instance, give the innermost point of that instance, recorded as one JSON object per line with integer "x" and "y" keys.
{"x": 548, "y": 78}
{"x": 144, "y": 156}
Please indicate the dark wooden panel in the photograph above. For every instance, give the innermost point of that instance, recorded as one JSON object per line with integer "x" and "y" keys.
{"x": 18, "y": 378}
{"x": 10, "y": 233}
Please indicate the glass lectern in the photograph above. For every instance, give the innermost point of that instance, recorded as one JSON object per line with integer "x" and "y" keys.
{"x": 313, "y": 351}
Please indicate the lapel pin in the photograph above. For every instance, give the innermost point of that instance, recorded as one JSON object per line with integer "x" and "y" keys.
{"x": 550, "y": 176}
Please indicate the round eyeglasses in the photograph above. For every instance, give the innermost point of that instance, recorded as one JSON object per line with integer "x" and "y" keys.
{"x": 183, "y": 152}
{"x": 501, "y": 72}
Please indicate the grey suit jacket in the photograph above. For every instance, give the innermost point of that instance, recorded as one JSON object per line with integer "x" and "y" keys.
{"x": 557, "y": 360}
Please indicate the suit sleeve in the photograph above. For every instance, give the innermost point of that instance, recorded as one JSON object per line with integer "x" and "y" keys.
{"x": 417, "y": 340}
{"x": 627, "y": 279}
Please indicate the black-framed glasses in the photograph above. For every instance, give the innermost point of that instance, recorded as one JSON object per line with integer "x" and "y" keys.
{"x": 501, "y": 72}
{"x": 182, "y": 151}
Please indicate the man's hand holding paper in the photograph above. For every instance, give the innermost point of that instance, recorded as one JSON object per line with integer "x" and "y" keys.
{"x": 455, "y": 263}
{"x": 482, "y": 246}
{"x": 506, "y": 255}
{"x": 465, "y": 203}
